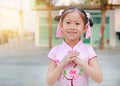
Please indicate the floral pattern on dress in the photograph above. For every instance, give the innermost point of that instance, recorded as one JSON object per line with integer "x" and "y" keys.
{"x": 72, "y": 74}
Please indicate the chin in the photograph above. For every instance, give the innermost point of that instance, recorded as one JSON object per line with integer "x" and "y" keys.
{"x": 72, "y": 39}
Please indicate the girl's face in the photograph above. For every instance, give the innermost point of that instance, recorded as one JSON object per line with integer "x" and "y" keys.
{"x": 73, "y": 26}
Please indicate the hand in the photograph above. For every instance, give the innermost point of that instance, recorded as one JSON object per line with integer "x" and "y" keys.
{"x": 69, "y": 58}
{"x": 77, "y": 60}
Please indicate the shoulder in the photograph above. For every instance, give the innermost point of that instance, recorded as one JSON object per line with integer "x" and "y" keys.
{"x": 56, "y": 48}
{"x": 86, "y": 46}
{"x": 53, "y": 52}
{"x": 90, "y": 50}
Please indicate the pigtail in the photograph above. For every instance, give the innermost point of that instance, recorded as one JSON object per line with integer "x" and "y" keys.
{"x": 91, "y": 22}
{"x": 58, "y": 17}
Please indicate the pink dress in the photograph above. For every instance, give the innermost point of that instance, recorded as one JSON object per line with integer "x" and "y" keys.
{"x": 73, "y": 75}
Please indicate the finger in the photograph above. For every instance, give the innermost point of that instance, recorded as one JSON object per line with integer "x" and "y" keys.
{"x": 73, "y": 58}
{"x": 71, "y": 62}
{"x": 74, "y": 54}
{"x": 76, "y": 51}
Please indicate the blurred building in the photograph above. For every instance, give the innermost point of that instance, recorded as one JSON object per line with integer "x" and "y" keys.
{"x": 112, "y": 28}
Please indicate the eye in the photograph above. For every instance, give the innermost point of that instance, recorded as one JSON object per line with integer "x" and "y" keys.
{"x": 68, "y": 22}
{"x": 77, "y": 23}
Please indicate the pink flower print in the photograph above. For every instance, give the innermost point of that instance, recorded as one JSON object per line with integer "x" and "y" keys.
{"x": 73, "y": 74}
{"x": 76, "y": 76}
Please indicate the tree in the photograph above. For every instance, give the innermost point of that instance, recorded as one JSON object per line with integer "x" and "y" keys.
{"x": 104, "y": 6}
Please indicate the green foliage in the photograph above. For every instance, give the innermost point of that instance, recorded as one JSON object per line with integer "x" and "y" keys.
{"x": 105, "y": 1}
{"x": 41, "y": 2}
{"x": 65, "y": 72}
{"x": 37, "y": 2}
{"x": 92, "y": 1}
{"x": 44, "y": 2}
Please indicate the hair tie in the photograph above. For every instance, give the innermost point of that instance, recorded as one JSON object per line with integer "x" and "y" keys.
{"x": 88, "y": 15}
{"x": 88, "y": 32}
{"x": 60, "y": 12}
{"x": 59, "y": 32}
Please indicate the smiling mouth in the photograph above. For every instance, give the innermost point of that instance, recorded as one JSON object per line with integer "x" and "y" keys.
{"x": 72, "y": 33}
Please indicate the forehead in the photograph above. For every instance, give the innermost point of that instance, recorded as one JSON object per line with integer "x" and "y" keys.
{"x": 74, "y": 16}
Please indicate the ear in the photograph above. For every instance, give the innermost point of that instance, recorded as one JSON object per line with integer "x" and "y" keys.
{"x": 86, "y": 27}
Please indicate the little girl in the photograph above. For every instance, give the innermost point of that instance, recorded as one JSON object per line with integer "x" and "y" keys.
{"x": 72, "y": 62}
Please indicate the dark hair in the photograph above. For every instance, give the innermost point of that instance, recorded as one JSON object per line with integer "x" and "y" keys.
{"x": 72, "y": 9}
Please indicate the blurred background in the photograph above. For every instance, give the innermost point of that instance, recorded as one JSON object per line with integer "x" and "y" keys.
{"x": 28, "y": 32}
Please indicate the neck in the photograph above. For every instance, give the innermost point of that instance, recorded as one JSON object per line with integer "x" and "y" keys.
{"x": 72, "y": 43}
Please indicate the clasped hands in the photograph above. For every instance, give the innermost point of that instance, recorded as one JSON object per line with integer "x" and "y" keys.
{"x": 71, "y": 57}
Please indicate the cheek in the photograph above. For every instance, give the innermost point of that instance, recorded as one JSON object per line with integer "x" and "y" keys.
{"x": 63, "y": 30}
{"x": 65, "y": 26}
{"x": 82, "y": 28}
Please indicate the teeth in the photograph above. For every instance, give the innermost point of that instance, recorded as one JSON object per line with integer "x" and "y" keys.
{"x": 72, "y": 32}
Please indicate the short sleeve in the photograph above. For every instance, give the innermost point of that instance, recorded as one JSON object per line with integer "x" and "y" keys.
{"x": 52, "y": 54}
{"x": 92, "y": 53}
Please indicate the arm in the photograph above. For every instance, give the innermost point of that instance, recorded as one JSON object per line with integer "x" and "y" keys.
{"x": 92, "y": 69}
{"x": 54, "y": 72}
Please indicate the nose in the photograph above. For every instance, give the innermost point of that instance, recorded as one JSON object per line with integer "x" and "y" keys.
{"x": 72, "y": 26}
